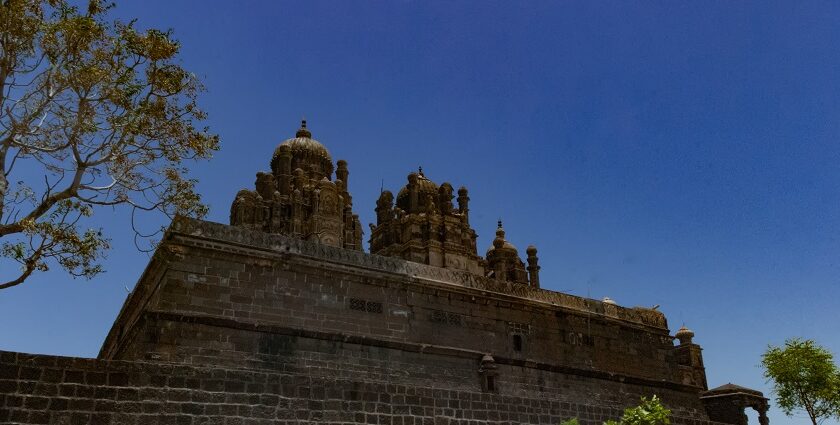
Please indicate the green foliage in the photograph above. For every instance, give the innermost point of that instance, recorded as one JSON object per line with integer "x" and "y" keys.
{"x": 649, "y": 412}
{"x": 804, "y": 377}
{"x": 110, "y": 117}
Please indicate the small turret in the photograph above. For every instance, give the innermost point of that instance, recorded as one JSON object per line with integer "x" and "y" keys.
{"x": 413, "y": 195}
{"x": 533, "y": 267}
{"x": 690, "y": 359}
{"x": 283, "y": 169}
{"x": 341, "y": 171}
{"x": 464, "y": 204}
{"x": 684, "y": 335}
{"x": 503, "y": 259}
{"x": 384, "y": 207}
{"x": 445, "y": 198}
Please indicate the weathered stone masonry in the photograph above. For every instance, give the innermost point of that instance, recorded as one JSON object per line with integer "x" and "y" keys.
{"x": 47, "y": 389}
{"x": 210, "y": 347}
{"x": 281, "y": 318}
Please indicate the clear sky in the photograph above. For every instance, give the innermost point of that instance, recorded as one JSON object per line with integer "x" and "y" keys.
{"x": 676, "y": 153}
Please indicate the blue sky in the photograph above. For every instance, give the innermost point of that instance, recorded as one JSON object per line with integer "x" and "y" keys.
{"x": 676, "y": 153}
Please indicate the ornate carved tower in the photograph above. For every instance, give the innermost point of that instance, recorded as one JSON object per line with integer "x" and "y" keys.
{"x": 299, "y": 198}
{"x": 503, "y": 262}
{"x": 424, "y": 227}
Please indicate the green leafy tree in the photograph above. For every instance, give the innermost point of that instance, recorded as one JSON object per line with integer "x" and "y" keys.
{"x": 804, "y": 377}
{"x": 649, "y": 412}
{"x": 93, "y": 112}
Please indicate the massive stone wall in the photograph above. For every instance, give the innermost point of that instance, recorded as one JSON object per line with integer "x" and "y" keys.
{"x": 325, "y": 355}
{"x": 231, "y": 326}
{"x": 36, "y": 389}
{"x": 278, "y": 282}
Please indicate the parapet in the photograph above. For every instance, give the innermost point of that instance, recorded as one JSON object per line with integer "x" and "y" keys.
{"x": 234, "y": 238}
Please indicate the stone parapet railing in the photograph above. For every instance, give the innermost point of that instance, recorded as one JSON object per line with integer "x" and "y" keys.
{"x": 286, "y": 245}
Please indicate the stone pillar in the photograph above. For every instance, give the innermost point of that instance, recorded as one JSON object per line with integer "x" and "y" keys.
{"x": 284, "y": 170}
{"x": 297, "y": 213}
{"x": 357, "y": 233}
{"x": 762, "y": 414}
{"x": 445, "y": 198}
{"x": 500, "y": 270}
{"x": 533, "y": 267}
{"x": 762, "y": 418}
{"x": 341, "y": 172}
{"x": 299, "y": 179}
{"x": 463, "y": 204}
{"x": 384, "y": 207}
{"x": 265, "y": 185}
{"x": 413, "y": 201}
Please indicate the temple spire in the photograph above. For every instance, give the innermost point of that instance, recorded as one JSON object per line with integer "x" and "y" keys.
{"x": 303, "y": 131}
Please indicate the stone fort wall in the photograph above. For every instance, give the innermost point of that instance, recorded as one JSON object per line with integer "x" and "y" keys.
{"x": 230, "y": 326}
{"x": 223, "y": 272}
{"x": 40, "y": 389}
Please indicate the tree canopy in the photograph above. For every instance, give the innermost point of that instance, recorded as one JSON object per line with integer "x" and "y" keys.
{"x": 102, "y": 113}
{"x": 804, "y": 377}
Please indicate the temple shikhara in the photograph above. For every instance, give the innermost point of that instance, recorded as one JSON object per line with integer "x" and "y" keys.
{"x": 299, "y": 198}
{"x": 281, "y": 317}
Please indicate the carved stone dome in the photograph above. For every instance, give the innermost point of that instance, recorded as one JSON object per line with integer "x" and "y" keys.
{"x": 501, "y": 243}
{"x": 425, "y": 188}
{"x": 305, "y": 151}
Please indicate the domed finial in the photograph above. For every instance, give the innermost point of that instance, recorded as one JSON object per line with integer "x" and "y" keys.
{"x": 302, "y": 131}
{"x": 500, "y": 232}
{"x": 685, "y": 335}
{"x": 420, "y": 171}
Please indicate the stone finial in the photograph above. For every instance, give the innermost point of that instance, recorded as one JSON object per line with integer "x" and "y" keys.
{"x": 303, "y": 131}
{"x": 499, "y": 242}
{"x": 685, "y": 335}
